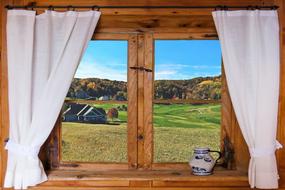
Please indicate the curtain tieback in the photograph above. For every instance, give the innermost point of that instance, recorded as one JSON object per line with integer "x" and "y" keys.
{"x": 23, "y": 150}
{"x": 261, "y": 152}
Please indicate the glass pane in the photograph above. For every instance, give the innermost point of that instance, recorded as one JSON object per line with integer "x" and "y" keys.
{"x": 186, "y": 70}
{"x": 94, "y": 126}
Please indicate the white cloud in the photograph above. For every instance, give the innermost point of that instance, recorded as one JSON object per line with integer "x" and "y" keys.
{"x": 166, "y": 72}
{"x": 186, "y": 65}
{"x": 205, "y": 67}
{"x": 101, "y": 70}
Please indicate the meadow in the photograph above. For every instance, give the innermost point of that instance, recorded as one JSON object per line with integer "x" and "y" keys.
{"x": 178, "y": 128}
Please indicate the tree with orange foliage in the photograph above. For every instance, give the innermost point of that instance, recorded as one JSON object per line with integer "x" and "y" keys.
{"x": 113, "y": 113}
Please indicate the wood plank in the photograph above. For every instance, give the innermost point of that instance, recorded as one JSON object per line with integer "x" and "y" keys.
{"x": 178, "y": 175}
{"x": 141, "y": 11}
{"x": 200, "y": 183}
{"x": 110, "y": 36}
{"x": 227, "y": 136}
{"x": 160, "y": 12}
{"x": 241, "y": 150}
{"x": 142, "y": 188}
{"x": 88, "y": 183}
{"x": 281, "y": 111}
{"x": 51, "y": 149}
{"x": 154, "y": 2}
{"x": 171, "y": 166}
{"x": 140, "y": 183}
{"x": 140, "y": 102}
{"x": 171, "y": 178}
{"x": 132, "y": 102}
{"x": 54, "y": 145}
{"x": 185, "y": 36}
{"x": 282, "y": 177}
{"x": 148, "y": 97}
{"x": 231, "y": 136}
{"x": 1, "y": 61}
{"x": 153, "y": 23}
{"x": 92, "y": 166}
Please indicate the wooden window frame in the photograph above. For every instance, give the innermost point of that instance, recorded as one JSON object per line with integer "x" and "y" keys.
{"x": 140, "y": 96}
{"x": 233, "y": 146}
{"x": 51, "y": 150}
{"x": 164, "y": 21}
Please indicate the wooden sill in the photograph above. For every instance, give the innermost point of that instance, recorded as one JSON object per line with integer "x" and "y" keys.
{"x": 139, "y": 178}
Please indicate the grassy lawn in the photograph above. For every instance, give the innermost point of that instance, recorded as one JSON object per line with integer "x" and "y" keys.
{"x": 94, "y": 142}
{"x": 177, "y": 130}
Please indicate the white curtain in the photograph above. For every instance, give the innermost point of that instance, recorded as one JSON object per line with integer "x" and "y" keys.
{"x": 43, "y": 54}
{"x": 250, "y": 50}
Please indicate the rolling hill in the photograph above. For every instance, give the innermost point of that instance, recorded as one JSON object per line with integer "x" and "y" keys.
{"x": 206, "y": 88}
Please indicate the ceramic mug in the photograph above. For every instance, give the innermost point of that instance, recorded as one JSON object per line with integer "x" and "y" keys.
{"x": 202, "y": 163}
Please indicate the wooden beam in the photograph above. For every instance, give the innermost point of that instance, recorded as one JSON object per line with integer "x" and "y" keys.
{"x": 153, "y": 2}
{"x": 154, "y": 23}
{"x": 148, "y": 97}
{"x": 133, "y": 102}
{"x": 140, "y": 136}
{"x": 281, "y": 111}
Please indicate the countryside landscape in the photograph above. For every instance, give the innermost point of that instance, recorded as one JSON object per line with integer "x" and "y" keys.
{"x": 184, "y": 70}
{"x": 178, "y": 128}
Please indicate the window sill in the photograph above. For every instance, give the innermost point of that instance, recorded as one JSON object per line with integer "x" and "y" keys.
{"x": 139, "y": 178}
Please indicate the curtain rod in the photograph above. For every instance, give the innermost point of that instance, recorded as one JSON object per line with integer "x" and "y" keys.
{"x": 96, "y": 7}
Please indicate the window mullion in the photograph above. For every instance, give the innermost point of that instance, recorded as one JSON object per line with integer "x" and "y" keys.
{"x": 148, "y": 101}
{"x": 132, "y": 101}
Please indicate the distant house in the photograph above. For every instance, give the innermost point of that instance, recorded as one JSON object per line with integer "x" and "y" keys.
{"x": 81, "y": 94}
{"x": 104, "y": 98}
{"x": 84, "y": 113}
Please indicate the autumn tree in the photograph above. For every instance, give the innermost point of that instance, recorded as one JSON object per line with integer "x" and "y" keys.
{"x": 113, "y": 113}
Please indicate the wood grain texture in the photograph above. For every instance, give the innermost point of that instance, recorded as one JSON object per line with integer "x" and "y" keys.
{"x": 91, "y": 166}
{"x": 148, "y": 97}
{"x": 227, "y": 134}
{"x": 1, "y": 136}
{"x": 162, "y": 24}
{"x": 281, "y": 113}
{"x": 149, "y": 179}
{"x": 143, "y": 188}
{"x": 154, "y": 2}
{"x": 132, "y": 102}
{"x": 154, "y": 23}
{"x": 141, "y": 137}
{"x": 185, "y": 36}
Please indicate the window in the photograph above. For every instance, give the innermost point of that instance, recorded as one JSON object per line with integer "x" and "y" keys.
{"x": 187, "y": 94}
{"x": 94, "y": 125}
{"x": 146, "y": 103}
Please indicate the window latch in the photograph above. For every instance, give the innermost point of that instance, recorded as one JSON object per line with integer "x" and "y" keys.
{"x": 140, "y": 137}
{"x": 141, "y": 69}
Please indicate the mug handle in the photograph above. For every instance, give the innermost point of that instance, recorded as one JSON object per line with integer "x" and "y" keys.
{"x": 220, "y": 154}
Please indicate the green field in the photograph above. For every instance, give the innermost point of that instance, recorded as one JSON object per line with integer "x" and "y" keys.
{"x": 178, "y": 128}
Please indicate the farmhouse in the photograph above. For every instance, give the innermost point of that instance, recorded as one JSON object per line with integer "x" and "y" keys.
{"x": 104, "y": 98}
{"x": 84, "y": 113}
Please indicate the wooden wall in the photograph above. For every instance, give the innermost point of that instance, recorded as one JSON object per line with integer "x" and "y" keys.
{"x": 281, "y": 117}
{"x": 198, "y": 22}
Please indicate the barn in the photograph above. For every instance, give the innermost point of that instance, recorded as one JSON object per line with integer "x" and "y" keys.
{"x": 84, "y": 113}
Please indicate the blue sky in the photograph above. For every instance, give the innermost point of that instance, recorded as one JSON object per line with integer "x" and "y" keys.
{"x": 174, "y": 59}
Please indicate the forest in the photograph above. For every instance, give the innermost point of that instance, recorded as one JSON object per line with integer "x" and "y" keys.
{"x": 200, "y": 88}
